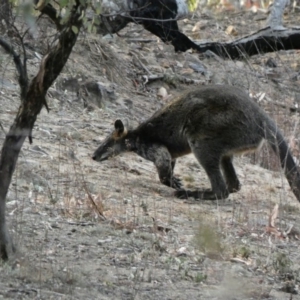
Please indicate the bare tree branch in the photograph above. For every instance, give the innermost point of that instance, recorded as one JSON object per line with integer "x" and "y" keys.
{"x": 23, "y": 79}
{"x": 51, "y": 12}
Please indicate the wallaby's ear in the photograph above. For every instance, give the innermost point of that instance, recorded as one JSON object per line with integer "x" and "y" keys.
{"x": 119, "y": 127}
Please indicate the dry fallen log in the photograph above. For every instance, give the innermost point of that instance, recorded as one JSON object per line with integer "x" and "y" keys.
{"x": 265, "y": 40}
{"x": 272, "y": 38}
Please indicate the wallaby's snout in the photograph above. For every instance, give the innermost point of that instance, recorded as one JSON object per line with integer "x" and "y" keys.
{"x": 101, "y": 154}
{"x": 113, "y": 145}
{"x": 95, "y": 155}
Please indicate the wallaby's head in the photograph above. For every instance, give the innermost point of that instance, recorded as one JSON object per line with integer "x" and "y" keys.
{"x": 114, "y": 144}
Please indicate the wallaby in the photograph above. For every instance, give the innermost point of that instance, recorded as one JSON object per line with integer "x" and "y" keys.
{"x": 214, "y": 122}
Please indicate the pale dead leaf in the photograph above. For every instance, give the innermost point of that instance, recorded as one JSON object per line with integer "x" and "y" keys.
{"x": 165, "y": 64}
{"x": 182, "y": 251}
{"x": 273, "y": 230}
{"x": 289, "y": 230}
{"x": 231, "y": 30}
{"x": 99, "y": 203}
{"x": 158, "y": 225}
{"x": 261, "y": 96}
{"x": 254, "y": 9}
{"x": 272, "y": 220}
{"x": 273, "y": 216}
{"x": 197, "y": 26}
{"x": 239, "y": 260}
{"x": 129, "y": 226}
{"x": 186, "y": 71}
{"x": 72, "y": 201}
{"x": 292, "y": 143}
{"x": 96, "y": 203}
{"x": 162, "y": 93}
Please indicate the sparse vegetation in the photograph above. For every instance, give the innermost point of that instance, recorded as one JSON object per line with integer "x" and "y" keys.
{"x": 282, "y": 263}
{"x": 208, "y": 240}
{"x": 150, "y": 245}
{"x": 243, "y": 252}
{"x": 189, "y": 178}
{"x": 200, "y": 277}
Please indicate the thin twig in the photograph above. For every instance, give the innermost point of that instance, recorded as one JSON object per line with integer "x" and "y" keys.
{"x": 3, "y": 128}
{"x": 142, "y": 65}
{"x": 93, "y": 203}
{"x": 133, "y": 40}
{"x": 21, "y": 38}
{"x": 121, "y": 14}
{"x": 282, "y": 105}
{"x": 162, "y": 77}
{"x": 100, "y": 213}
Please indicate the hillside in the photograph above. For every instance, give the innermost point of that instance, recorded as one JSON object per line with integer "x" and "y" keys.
{"x": 150, "y": 245}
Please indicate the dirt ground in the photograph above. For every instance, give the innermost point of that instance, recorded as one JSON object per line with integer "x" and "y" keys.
{"x": 150, "y": 245}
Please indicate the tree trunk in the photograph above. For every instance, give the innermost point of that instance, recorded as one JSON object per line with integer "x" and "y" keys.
{"x": 32, "y": 103}
{"x": 275, "y": 18}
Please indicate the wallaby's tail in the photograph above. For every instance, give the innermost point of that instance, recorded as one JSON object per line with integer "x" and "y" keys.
{"x": 279, "y": 145}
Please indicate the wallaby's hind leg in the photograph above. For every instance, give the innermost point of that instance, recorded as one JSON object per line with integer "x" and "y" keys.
{"x": 173, "y": 162}
{"x": 209, "y": 155}
{"x": 177, "y": 182}
{"x": 233, "y": 184}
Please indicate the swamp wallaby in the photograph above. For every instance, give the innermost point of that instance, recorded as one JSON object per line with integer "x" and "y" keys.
{"x": 214, "y": 122}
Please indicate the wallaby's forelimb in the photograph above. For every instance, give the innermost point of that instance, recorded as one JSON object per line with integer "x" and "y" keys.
{"x": 164, "y": 163}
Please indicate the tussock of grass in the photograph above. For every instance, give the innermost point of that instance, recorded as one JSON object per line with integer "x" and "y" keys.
{"x": 208, "y": 239}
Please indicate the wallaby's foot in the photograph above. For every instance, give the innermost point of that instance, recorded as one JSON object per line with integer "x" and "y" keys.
{"x": 7, "y": 248}
{"x": 174, "y": 183}
{"x": 200, "y": 194}
{"x": 6, "y": 251}
{"x": 233, "y": 188}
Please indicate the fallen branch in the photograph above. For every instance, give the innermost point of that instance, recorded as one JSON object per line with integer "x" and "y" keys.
{"x": 139, "y": 61}
{"x": 167, "y": 78}
{"x": 263, "y": 41}
{"x": 133, "y": 40}
{"x": 282, "y": 105}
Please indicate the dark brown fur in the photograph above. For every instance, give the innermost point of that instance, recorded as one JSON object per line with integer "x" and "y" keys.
{"x": 213, "y": 122}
